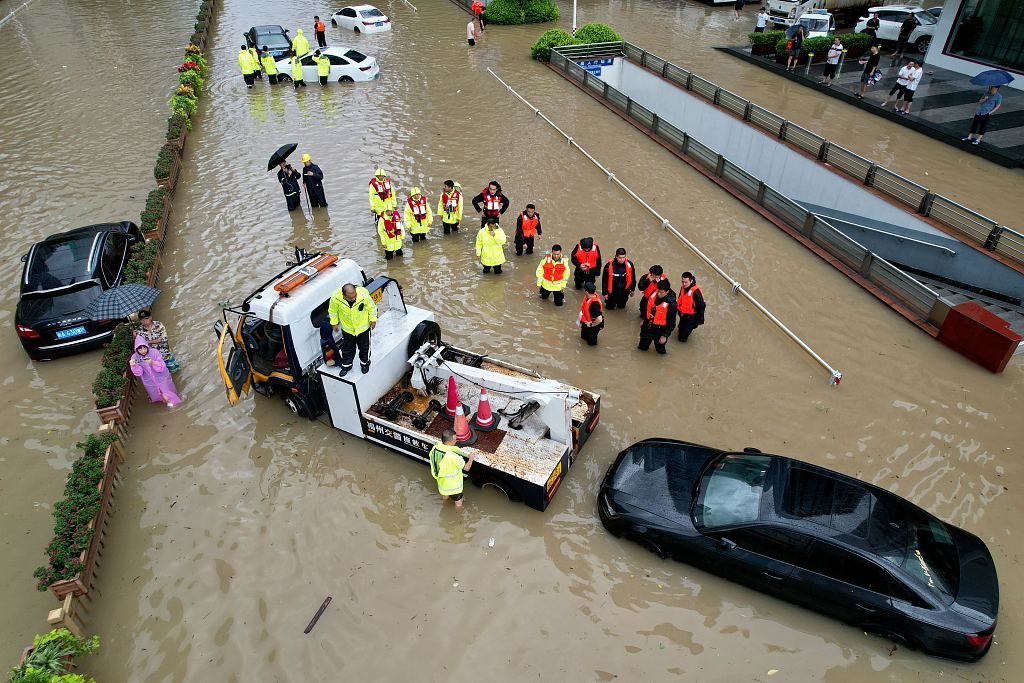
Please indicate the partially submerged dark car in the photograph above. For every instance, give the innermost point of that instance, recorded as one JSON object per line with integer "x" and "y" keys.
{"x": 811, "y": 536}
{"x": 272, "y": 36}
{"x": 61, "y": 277}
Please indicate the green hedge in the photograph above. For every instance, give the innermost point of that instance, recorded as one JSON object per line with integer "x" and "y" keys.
{"x": 818, "y": 46}
{"x": 766, "y": 38}
{"x": 556, "y": 37}
{"x": 597, "y": 33}
{"x": 510, "y": 12}
{"x": 51, "y": 656}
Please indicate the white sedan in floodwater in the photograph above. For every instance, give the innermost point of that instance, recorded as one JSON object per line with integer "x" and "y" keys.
{"x": 347, "y": 65}
{"x": 362, "y": 19}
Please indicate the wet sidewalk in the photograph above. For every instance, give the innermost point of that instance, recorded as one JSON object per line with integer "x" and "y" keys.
{"x": 943, "y": 105}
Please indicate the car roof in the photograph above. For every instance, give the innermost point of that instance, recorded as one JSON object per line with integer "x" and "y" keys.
{"x": 361, "y": 7}
{"x": 267, "y": 304}
{"x": 269, "y": 28}
{"x": 898, "y": 8}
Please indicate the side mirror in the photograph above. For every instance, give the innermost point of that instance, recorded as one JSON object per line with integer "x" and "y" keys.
{"x": 725, "y": 544}
{"x": 24, "y": 258}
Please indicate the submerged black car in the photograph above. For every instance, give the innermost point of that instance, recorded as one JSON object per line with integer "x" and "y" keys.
{"x": 272, "y": 36}
{"x": 811, "y": 536}
{"x": 61, "y": 277}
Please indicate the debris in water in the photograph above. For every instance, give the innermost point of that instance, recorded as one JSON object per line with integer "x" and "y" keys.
{"x": 312, "y": 622}
{"x": 490, "y": 543}
{"x": 772, "y": 672}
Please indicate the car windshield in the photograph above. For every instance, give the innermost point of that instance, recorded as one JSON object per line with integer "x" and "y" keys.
{"x": 814, "y": 24}
{"x": 38, "y": 308}
{"x": 273, "y": 40}
{"x": 730, "y": 492}
{"x": 371, "y": 13}
{"x": 659, "y": 477}
{"x": 56, "y": 264}
{"x": 932, "y": 557}
{"x": 355, "y": 56}
{"x": 926, "y": 18}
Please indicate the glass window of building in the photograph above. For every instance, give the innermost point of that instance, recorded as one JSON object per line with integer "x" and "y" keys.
{"x": 990, "y": 32}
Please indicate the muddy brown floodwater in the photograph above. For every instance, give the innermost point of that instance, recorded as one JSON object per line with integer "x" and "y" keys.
{"x": 233, "y": 524}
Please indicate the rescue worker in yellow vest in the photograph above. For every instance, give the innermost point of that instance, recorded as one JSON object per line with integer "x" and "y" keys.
{"x": 389, "y": 229}
{"x": 300, "y": 45}
{"x": 447, "y": 465}
{"x": 489, "y": 246}
{"x": 553, "y": 275}
{"x": 449, "y": 206}
{"x": 591, "y": 314}
{"x": 353, "y": 312}
{"x": 296, "y": 65}
{"x": 269, "y": 65}
{"x": 256, "y": 62}
{"x": 247, "y": 66}
{"x": 323, "y": 66}
{"x": 417, "y": 215}
{"x": 381, "y": 193}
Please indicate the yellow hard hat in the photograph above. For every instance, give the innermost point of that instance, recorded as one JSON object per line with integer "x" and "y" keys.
{"x": 457, "y": 185}
{"x": 306, "y": 157}
{"x": 380, "y": 172}
{"x": 415, "y": 191}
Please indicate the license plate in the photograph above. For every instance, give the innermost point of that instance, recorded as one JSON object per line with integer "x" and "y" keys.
{"x": 380, "y": 23}
{"x": 72, "y": 332}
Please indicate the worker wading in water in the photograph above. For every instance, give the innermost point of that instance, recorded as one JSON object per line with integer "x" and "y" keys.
{"x": 447, "y": 465}
{"x": 591, "y": 315}
{"x": 255, "y": 54}
{"x": 353, "y": 312}
{"x": 245, "y": 62}
{"x": 313, "y": 177}
{"x": 527, "y": 227}
{"x": 586, "y": 256}
{"x": 296, "y": 66}
{"x": 490, "y": 246}
{"x": 269, "y": 65}
{"x": 289, "y": 179}
{"x": 389, "y": 229}
{"x": 417, "y": 215}
{"x": 659, "y": 319}
{"x": 381, "y": 194}
{"x": 490, "y": 203}
{"x": 449, "y": 206}
{"x": 648, "y": 284}
{"x": 618, "y": 280}
{"x": 553, "y": 275}
{"x": 300, "y": 45}
{"x": 323, "y": 67}
{"x": 691, "y": 306}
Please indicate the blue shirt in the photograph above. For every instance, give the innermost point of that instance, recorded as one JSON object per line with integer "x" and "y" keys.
{"x": 989, "y": 104}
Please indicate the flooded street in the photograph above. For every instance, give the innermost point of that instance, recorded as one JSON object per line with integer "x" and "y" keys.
{"x": 232, "y": 525}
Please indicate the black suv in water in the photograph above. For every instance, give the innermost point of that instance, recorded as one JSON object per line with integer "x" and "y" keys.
{"x": 61, "y": 277}
{"x": 274, "y": 37}
{"x": 811, "y": 536}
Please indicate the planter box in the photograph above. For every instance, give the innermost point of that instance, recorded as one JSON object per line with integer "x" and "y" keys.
{"x": 154, "y": 272}
{"x": 179, "y": 142}
{"x": 120, "y": 411}
{"x": 79, "y": 584}
{"x": 161, "y": 224}
{"x": 172, "y": 179}
{"x": 760, "y": 50}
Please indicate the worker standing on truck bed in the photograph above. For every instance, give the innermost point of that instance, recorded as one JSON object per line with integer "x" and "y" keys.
{"x": 447, "y": 464}
{"x": 353, "y": 311}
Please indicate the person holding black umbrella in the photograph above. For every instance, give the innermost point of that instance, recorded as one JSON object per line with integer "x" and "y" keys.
{"x": 289, "y": 179}
{"x": 312, "y": 178}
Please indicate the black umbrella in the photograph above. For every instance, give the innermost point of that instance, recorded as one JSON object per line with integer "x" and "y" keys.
{"x": 120, "y": 302}
{"x": 280, "y": 155}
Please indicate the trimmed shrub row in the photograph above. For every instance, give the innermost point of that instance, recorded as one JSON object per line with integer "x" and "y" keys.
{"x": 556, "y": 37}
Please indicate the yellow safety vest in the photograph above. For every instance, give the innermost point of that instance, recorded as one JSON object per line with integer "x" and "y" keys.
{"x": 296, "y": 69}
{"x": 378, "y": 205}
{"x": 355, "y": 317}
{"x": 245, "y": 61}
{"x": 390, "y": 243}
{"x": 255, "y": 58}
{"x": 489, "y": 248}
{"x": 300, "y": 44}
{"x": 323, "y": 66}
{"x": 455, "y": 215}
{"x": 415, "y": 226}
{"x": 446, "y": 465}
{"x": 269, "y": 65}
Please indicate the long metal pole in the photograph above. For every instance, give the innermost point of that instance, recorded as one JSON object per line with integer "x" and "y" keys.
{"x": 573, "y": 23}
{"x": 834, "y": 375}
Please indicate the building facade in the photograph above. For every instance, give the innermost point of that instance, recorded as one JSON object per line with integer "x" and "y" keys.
{"x": 976, "y": 35}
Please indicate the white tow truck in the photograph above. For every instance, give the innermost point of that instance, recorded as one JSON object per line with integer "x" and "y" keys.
{"x": 270, "y": 344}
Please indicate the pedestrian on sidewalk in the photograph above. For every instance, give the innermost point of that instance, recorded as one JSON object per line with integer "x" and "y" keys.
{"x": 762, "y": 20}
{"x": 737, "y": 8}
{"x": 871, "y": 28}
{"x": 471, "y": 32}
{"x": 988, "y": 105}
{"x": 835, "y": 51}
{"x": 906, "y": 28}
{"x": 319, "y": 29}
{"x": 899, "y": 88}
{"x": 913, "y": 80}
{"x": 793, "y": 46}
{"x": 870, "y": 62}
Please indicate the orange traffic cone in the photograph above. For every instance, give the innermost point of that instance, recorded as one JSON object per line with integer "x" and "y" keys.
{"x": 464, "y": 434}
{"x": 453, "y": 400}
{"x": 484, "y": 420}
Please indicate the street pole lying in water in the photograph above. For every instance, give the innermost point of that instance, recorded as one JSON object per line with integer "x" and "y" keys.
{"x": 834, "y": 375}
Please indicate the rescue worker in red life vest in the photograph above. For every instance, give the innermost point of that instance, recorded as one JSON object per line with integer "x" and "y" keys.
{"x": 659, "y": 319}
{"x": 591, "y": 315}
{"x": 553, "y": 275}
{"x": 586, "y": 256}
{"x": 490, "y": 203}
{"x": 417, "y": 215}
{"x": 618, "y": 280}
{"x": 691, "y": 306}
{"x": 527, "y": 226}
{"x": 389, "y": 230}
{"x": 381, "y": 194}
{"x": 647, "y": 284}
{"x": 449, "y": 206}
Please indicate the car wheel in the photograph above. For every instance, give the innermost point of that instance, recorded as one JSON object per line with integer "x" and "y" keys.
{"x": 356, "y": 29}
{"x": 894, "y": 637}
{"x": 485, "y": 482}
{"x": 426, "y": 331}
{"x": 922, "y": 44}
{"x": 345, "y": 79}
{"x": 647, "y": 543}
{"x": 296, "y": 404}
{"x": 334, "y": 22}
{"x": 282, "y": 78}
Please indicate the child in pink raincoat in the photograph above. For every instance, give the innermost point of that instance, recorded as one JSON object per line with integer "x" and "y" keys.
{"x": 148, "y": 365}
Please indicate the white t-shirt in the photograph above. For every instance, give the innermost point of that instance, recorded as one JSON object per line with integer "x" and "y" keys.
{"x": 916, "y": 73}
{"x": 470, "y": 31}
{"x": 762, "y": 19}
{"x": 904, "y": 74}
{"x": 834, "y": 52}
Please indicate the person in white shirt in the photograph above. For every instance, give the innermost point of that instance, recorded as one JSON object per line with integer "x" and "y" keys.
{"x": 762, "y": 20}
{"x": 835, "y": 51}
{"x": 913, "y": 80}
{"x": 471, "y": 32}
{"x": 899, "y": 88}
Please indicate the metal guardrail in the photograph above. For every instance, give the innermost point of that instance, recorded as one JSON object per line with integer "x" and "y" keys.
{"x": 689, "y": 145}
{"x": 908, "y": 291}
{"x": 919, "y": 198}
